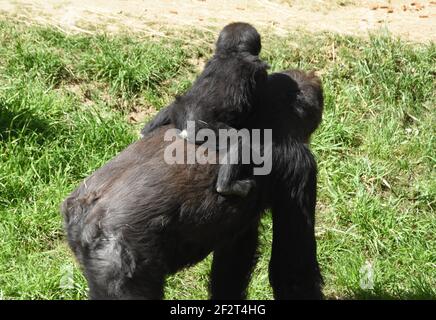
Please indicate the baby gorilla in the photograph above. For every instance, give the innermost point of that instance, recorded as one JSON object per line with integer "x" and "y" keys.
{"x": 224, "y": 96}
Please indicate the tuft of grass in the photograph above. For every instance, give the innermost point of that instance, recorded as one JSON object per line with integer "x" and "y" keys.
{"x": 132, "y": 66}
{"x": 64, "y": 105}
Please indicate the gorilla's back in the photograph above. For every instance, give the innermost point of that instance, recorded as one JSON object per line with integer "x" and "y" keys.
{"x": 140, "y": 197}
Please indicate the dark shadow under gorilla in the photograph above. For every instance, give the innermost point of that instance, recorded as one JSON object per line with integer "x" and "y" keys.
{"x": 138, "y": 219}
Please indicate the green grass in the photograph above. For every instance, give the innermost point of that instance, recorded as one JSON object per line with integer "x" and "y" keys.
{"x": 64, "y": 105}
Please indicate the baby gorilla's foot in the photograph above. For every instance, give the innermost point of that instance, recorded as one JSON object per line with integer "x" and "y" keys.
{"x": 238, "y": 188}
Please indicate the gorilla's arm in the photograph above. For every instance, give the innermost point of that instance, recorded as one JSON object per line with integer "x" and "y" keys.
{"x": 293, "y": 268}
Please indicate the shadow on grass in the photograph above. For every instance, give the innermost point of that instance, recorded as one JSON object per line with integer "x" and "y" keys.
{"x": 16, "y": 124}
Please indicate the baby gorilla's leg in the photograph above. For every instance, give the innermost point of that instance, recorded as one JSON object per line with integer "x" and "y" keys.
{"x": 229, "y": 180}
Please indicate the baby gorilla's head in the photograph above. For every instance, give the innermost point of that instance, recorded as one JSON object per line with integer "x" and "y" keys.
{"x": 238, "y": 37}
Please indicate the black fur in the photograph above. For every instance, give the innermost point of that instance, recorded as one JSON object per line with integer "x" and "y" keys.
{"x": 225, "y": 94}
{"x": 138, "y": 219}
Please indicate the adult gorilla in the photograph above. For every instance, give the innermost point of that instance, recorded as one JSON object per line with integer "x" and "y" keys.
{"x": 138, "y": 219}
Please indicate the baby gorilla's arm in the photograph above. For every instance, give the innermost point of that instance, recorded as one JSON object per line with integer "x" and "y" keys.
{"x": 161, "y": 119}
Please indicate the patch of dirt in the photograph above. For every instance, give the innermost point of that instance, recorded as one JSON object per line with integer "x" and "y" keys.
{"x": 411, "y": 20}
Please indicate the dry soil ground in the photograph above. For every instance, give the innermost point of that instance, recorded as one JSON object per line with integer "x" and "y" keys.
{"x": 411, "y": 20}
